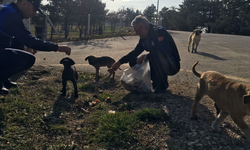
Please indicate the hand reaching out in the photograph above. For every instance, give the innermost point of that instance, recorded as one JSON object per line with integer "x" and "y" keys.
{"x": 64, "y": 48}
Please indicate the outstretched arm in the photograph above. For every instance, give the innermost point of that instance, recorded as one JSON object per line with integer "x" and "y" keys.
{"x": 116, "y": 65}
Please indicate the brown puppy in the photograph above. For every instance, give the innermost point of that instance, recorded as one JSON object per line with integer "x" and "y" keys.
{"x": 69, "y": 74}
{"x": 194, "y": 39}
{"x": 98, "y": 62}
{"x": 231, "y": 98}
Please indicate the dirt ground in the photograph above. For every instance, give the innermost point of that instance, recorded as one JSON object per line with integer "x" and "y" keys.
{"x": 179, "y": 132}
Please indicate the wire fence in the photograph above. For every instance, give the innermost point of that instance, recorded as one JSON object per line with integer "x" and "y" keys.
{"x": 47, "y": 30}
{"x": 73, "y": 32}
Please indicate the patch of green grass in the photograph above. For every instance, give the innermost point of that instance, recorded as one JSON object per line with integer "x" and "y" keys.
{"x": 88, "y": 87}
{"x": 19, "y": 111}
{"x": 58, "y": 129}
{"x": 49, "y": 91}
{"x": 101, "y": 107}
{"x": 151, "y": 115}
{"x": 84, "y": 77}
{"x": 35, "y": 116}
{"x": 116, "y": 130}
{"x": 16, "y": 91}
{"x": 103, "y": 96}
{"x": 125, "y": 106}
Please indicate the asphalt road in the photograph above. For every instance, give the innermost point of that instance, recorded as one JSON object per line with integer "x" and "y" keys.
{"x": 227, "y": 54}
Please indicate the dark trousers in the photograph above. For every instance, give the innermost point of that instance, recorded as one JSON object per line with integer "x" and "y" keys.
{"x": 159, "y": 78}
{"x": 13, "y": 61}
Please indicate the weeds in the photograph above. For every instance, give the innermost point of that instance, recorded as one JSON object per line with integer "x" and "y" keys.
{"x": 35, "y": 116}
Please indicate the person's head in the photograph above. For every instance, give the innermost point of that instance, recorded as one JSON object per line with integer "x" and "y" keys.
{"x": 29, "y": 7}
{"x": 141, "y": 26}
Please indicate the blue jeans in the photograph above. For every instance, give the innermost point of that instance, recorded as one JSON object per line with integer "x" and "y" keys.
{"x": 13, "y": 61}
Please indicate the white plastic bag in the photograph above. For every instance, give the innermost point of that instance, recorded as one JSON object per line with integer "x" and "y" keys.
{"x": 137, "y": 78}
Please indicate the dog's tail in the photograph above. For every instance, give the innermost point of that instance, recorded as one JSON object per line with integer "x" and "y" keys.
{"x": 194, "y": 71}
{"x": 86, "y": 58}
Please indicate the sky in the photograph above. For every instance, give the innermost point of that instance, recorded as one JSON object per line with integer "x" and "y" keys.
{"x": 137, "y": 4}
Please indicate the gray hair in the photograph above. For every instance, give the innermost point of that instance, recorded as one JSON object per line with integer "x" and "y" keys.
{"x": 140, "y": 21}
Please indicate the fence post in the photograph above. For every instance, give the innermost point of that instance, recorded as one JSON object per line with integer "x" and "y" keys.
{"x": 120, "y": 24}
{"x": 88, "y": 25}
{"x": 46, "y": 28}
{"x": 58, "y": 33}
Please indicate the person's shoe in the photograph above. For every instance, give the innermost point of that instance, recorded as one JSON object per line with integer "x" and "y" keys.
{"x": 4, "y": 91}
{"x": 8, "y": 84}
{"x": 160, "y": 90}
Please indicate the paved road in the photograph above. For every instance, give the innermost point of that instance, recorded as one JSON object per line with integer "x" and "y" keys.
{"x": 227, "y": 54}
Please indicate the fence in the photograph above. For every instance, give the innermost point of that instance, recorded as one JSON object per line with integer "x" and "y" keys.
{"x": 73, "y": 32}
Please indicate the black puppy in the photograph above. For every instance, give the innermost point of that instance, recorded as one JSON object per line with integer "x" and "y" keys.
{"x": 69, "y": 73}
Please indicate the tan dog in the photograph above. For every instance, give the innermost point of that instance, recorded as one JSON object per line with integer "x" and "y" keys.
{"x": 98, "y": 62}
{"x": 231, "y": 98}
{"x": 194, "y": 39}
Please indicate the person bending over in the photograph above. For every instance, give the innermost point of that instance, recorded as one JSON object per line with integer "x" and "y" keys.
{"x": 16, "y": 38}
{"x": 162, "y": 54}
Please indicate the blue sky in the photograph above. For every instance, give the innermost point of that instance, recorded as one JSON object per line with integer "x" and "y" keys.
{"x": 137, "y": 4}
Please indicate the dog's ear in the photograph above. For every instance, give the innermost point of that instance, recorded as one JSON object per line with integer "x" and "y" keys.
{"x": 62, "y": 60}
{"x": 246, "y": 99}
{"x": 71, "y": 62}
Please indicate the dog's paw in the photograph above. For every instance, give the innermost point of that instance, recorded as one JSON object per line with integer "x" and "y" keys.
{"x": 112, "y": 80}
{"x": 96, "y": 79}
{"x": 63, "y": 94}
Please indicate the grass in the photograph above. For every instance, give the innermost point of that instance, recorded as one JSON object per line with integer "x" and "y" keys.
{"x": 35, "y": 116}
{"x": 116, "y": 130}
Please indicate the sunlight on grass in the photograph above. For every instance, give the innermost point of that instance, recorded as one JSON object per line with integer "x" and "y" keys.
{"x": 151, "y": 115}
{"x": 117, "y": 130}
{"x": 35, "y": 116}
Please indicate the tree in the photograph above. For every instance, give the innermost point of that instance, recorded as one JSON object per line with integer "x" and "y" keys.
{"x": 233, "y": 17}
{"x": 244, "y": 15}
{"x": 149, "y": 13}
{"x": 97, "y": 12}
{"x": 113, "y": 18}
{"x": 63, "y": 8}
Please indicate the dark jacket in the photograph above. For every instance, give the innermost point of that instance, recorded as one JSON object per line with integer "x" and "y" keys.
{"x": 13, "y": 33}
{"x": 163, "y": 53}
